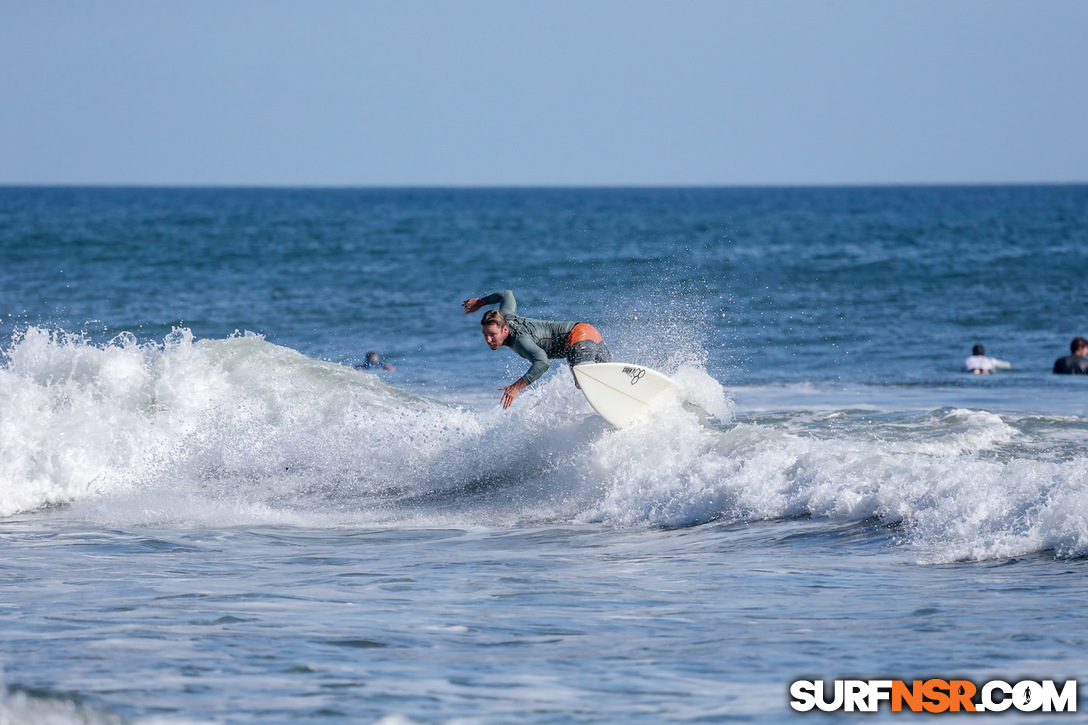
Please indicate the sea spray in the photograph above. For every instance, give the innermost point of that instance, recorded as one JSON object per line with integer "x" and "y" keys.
{"x": 82, "y": 418}
{"x": 238, "y": 431}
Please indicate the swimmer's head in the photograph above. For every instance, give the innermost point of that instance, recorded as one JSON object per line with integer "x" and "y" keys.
{"x": 978, "y": 350}
{"x": 1078, "y": 344}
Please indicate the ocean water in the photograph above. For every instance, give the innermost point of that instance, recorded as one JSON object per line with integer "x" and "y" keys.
{"x": 209, "y": 515}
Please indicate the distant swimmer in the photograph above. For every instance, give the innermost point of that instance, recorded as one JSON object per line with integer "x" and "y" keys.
{"x": 980, "y": 364}
{"x": 535, "y": 340}
{"x": 1075, "y": 364}
{"x": 374, "y": 361}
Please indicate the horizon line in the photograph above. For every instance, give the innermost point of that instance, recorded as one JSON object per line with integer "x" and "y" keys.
{"x": 541, "y": 187}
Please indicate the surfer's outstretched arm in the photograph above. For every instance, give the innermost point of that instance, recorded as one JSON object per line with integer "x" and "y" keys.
{"x": 510, "y": 392}
{"x": 505, "y": 300}
{"x": 529, "y": 350}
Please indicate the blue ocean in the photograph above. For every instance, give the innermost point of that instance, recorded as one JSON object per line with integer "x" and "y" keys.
{"x": 209, "y": 514}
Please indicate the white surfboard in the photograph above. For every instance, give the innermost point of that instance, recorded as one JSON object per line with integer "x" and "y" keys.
{"x": 620, "y": 391}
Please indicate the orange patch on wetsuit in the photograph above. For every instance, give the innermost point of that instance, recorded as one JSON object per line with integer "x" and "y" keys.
{"x": 582, "y": 332}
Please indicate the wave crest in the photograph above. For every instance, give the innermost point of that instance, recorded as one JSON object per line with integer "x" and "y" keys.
{"x": 239, "y": 431}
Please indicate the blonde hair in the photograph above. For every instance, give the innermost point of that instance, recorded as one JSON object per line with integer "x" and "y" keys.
{"x": 493, "y": 317}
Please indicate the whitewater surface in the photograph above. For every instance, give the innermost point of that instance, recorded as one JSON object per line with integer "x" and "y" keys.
{"x": 242, "y": 432}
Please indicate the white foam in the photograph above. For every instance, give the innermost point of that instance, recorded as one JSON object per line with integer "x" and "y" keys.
{"x": 242, "y": 432}
{"x": 954, "y": 502}
{"x": 704, "y": 392}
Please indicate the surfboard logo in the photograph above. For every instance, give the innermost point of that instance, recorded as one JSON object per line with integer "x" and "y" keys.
{"x": 635, "y": 373}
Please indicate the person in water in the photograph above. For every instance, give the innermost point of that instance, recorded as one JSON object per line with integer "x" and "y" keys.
{"x": 373, "y": 360}
{"x": 535, "y": 340}
{"x": 1075, "y": 364}
{"x": 980, "y": 364}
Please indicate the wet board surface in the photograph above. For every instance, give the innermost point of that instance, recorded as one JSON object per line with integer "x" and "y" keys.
{"x": 619, "y": 392}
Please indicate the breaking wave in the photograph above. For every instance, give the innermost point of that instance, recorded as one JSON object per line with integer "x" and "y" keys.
{"x": 239, "y": 431}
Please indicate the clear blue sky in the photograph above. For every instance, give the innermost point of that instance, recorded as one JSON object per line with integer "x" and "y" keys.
{"x": 520, "y": 92}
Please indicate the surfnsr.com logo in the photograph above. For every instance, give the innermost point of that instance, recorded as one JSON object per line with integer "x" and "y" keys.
{"x": 934, "y": 695}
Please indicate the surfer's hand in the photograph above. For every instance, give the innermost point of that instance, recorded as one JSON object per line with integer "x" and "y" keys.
{"x": 510, "y": 393}
{"x": 471, "y": 305}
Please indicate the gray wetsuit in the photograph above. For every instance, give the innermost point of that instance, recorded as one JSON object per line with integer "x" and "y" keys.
{"x": 538, "y": 340}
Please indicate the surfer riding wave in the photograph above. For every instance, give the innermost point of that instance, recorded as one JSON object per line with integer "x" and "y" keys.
{"x": 535, "y": 340}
